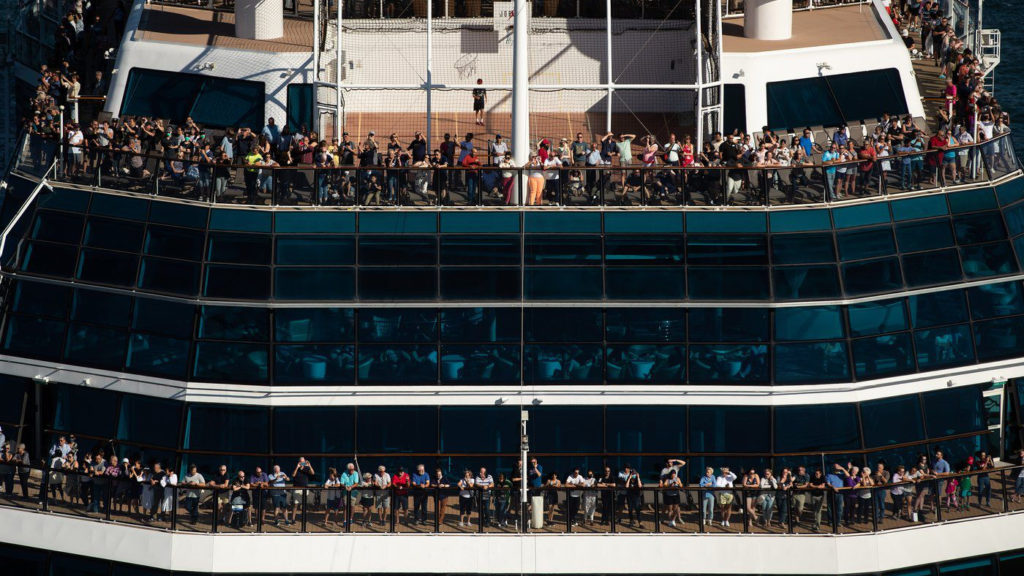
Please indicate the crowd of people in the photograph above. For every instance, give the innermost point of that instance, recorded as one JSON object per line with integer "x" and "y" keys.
{"x": 844, "y": 493}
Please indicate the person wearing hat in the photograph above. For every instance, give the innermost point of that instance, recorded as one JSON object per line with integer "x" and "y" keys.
{"x": 401, "y": 481}
{"x": 382, "y": 483}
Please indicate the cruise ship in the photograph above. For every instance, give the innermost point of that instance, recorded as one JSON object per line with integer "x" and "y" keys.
{"x": 722, "y": 288}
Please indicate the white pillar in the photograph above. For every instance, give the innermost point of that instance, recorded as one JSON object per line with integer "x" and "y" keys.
{"x": 700, "y": 78}
{"x": 430, "y": 73}
{"x": 259, "y": 19}
{"x": 768, "y": 19}
{"x": 520, "y": 91}
{"x": 337, "y": 76}
{"x": 611, "y": 81}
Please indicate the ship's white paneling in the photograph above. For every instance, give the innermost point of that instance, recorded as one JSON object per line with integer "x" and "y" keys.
{"x": 530, "y": 554}
{"x": 275, "y": 69}
{"x": 528, "y": 395}
{"x": 755, "y": 69}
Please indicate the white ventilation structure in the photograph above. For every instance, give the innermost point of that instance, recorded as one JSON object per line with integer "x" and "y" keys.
{"x": 768, "y": 19}
{"x": 259, "y": 19}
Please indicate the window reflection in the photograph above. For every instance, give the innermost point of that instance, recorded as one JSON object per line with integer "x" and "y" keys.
{"x": 231, "y": 362}
{"x": 398, "y": 363}
{"x": 314, "y": 325}
{"x": 730, "y": 363}
{"x": 646, "y": 363}
{"x": 646, "y": 325}
{"x": 398, "y": 325}
{"x": 946, "y": 346}
{"x": 816, "y": 362}
{"x": 480, "y": 325}
{"x": 883, "y": 355}
{"x": 485, "y": 363}
{"x": 311, "y": 363}
{"x": 563, "y": 363}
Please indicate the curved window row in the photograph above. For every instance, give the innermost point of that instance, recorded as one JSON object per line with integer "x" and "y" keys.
{"x": 162, "y": 247}
{"x": 208, "y": 434}
{"x": 480, "y": 346}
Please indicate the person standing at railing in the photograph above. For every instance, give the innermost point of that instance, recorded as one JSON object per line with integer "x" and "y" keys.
{"x": 382, "y": 482}
{"x": 252, "y": 160}
{"x": 880, "y": 477}
{"x": 671, "y": 496}
{"x": 466, "y": 498}
{"x": 401, "y": 481}
{"x": 535, "y": 181}
{"x": 836, "y": 481}
{"x": 170, "y": 497}
{"x": 349, "y": 481}
{"x": 983, "y": 463}
{"x": 766, "y": 497}
{"x": 818, "y": 487}
{"x": 575, "y": 482}
{"x": 420, "y": 484}
{"x": 707, "y": 497}
{"x": 751, "y": 482}
{"x": 96, "y": 468}
{"x": 503, "y": 499}
{"x": 7, "y": 469}
{"x": 899, "y": 493}
{"x": 607, "y": 481}
{"x": 194, "y": 481}
{"x": 485, "y": 483}
{"x": 472, "y": 173}
{"x": 725, "y": 497}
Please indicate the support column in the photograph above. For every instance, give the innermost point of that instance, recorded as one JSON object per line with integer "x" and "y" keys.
{"x": 700, "y": 78}
{"x": 259, "y": 19}
{"x": 611, "y": 81}
{"x": 520, "y": 89}
{"x": 337, "y": 76}
{"x": 430, "y": 74}
{"x": 768, "y": 19}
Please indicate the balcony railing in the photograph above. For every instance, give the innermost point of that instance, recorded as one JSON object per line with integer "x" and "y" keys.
{"x": 742, "y": 185}
{"x": 446, "y": 508}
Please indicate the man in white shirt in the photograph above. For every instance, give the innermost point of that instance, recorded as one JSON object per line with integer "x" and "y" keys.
{"x": 725, "y": 497}
{"x": 382, "y": 481}
{"x": 575, "y": 481}
{"x": 484, "y": 482}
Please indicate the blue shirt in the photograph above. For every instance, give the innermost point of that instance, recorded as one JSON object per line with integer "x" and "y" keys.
{"x": 536, "y": 480}
{"x": 834, "y": 480}
{"x": 941, "y": 467}
{"x": 420, "y": 480}
{"x": 350, "y": 479}
{"x": 829, "y": 156}
{"x": 807, "y": 144}
{"x": 273, "y": 133}
{"x": 707, "y": 481}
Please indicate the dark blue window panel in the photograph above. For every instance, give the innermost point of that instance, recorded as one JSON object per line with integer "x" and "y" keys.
{"x": 988, "y": 260}
{"x": 979, "y": 227}
{"x": 13, "y": 391}
{"x": 872, "y": 276}
{"x": 883, "y": 356}
{"x": 816, "y": 428}
{"x": 659, "y": 250}
{"x": 158, "y": 355}
{"x": 562, "y": 223}
{"x": 562, "y": 250}
{"x": 715, "y": 363}
{"x": 1010, "y": 192}
{"x": 811, "y": 363}
{"x": 397, "y": 325}
{"x": 174, "y": 243}
{"x": 314, "y": 429}
{"x": 799, "y": 220}
{"x": 716, "y": 250}
{"x": 64, "y": 199}
{"x": 315, "y": 250}
{"x": 563, "y": 324}
{"x": 314, "y": 325}
{"x": 311, "y": 363}
{"x": 643, "y": 363}
{"x": 972, "y": 200}
{"x": 241, "y": 220}
{"x": 234, "y": 323}
{"x": 120, "y": 207}
{"x": 878, "y": 317}
{"x": 931, "y": 268}
{"x": 563, "y": 363}
{"x": 976, "y": 567}
{"x": 238, "y": 248}
{"x": 1002, "y": 338}
{"x": 953, "y": 411}
{"x": 728, "y": 283}
{"x": 106, "y": 267}
{"x": 719, "y": 222}
{"x": 84, "y": 411}
{"x": 41, "y": 299}
{"x": 480, "y": 364}
{"x": 175, "y": 214}
{"x": 806, "y": 282}
{"x": 729, "y": 324}
{"x": 113, "y": 234}
{"x": 566, "y": 429}
{"x": 631, "y": 429}
{"x": 713, "y": 429}
{"x": 397, "y": 223}
{"x": 563, "y": 283}
{"x": 1018, "y": 244}
{"x": 923, "y": 207}
{"x": 35, "y": 337}
{"x": 96, "y": 346}
{"x": 809, "y": 323}
{"x": 890, "y": 421}
{"x": 643, "y": 222}
{"x": 314, "y": 283}
{"x": 398, "y": 283}
{"x": 992, "y": 300}
{"x": 498, "y": 427}
{"x": 49, "y": 259}
{"x": 1015, "y": 219}
{"x": 480, "y": 283}
{"x": 870, "y": 243}
{"x": 226, "y": 428}
{"x": 150, "y": 421}
{"x": 161, "y": 317}
{"x": 480, "y": 250}
{"x": 945, "y": 346}
{"x": 938, "y": 308}
{"x": 396, "y": 429}
{"x": 398, "y": 251}
{"x": 241, "y": 282}
{"x": 802, "y": 249}
{"x": 924, "y": 235}
{"x": 397, "y": 363}
{"x": 479, "y": 222}
{"x": 646, "y": 283}
{"x": 241, "y": 362}
{"x": 314, "y": 223}
{"x": 58, "y": 227}
{"x": 480, "y": 325}
{"x": 863, "y": 215}
{"x": 101, "y": 308}
{"x": 646, "y": 325}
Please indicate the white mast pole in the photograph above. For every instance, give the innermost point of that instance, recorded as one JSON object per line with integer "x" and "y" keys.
{"x": 520, "y": 90}
{"x": 316, "y": 66}
{"x": 430, "y": 71}
{"x": 608, "y": 41}
{"x": 337, "y": 76}
{"x": 700, "y": 81}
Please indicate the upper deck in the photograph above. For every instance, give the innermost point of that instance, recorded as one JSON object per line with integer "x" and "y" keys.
{"x": 811, "y": 28}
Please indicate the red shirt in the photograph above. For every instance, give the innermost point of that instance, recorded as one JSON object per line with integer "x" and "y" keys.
{"x": 935, "y": 158}
{"x": 868, "y": 157}
{"x": 401, "y": 483}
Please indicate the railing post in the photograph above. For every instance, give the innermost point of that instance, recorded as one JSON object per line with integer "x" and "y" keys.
{"x": 700, "y": 512}
{"x": 568, "y": 513}
{"x": 305, "y": 494}
{"x": 937, "y": 493}
{"x": 834, "y": 511}
{"x": 746, "y": 513}
{"x": 348, "y": 511}
{"x": 174, "y": 507}
{"x": 391, "y": 510}
{"x": 216, "y": 512}
{"x": 106, "y": 496}
{"x": 1002, "y": 483}
{"x": 874, "y": 509}
{"x": 44, "y": 491}
{"x": 657, "y": 511}
{"x": 615, "y": 520}
{"x": 260, "y": 497}
{"x": 791, "y": 515}
{"x": 437, "y": 509}
{"x": 480, "y": 493}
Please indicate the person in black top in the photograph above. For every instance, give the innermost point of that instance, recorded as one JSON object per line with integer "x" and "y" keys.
{"x": 239, "y": 501}
{"x": 817, "y": 485}
{"x": 479, "y": 102}
{"x": 220, "y": 480}
{"x": 418, "y": 147}
{"x": 155, "y": 480}
{"x": 731, "y": 152}
{"x": 607, "y": 496}
{"x": 303, "y": 474}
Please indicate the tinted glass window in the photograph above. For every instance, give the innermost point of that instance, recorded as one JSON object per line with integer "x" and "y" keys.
{"x": 883, "y": 356}
{"x": 644, "y": 250}
{"x": 937, "y": 308}
{"x": 480, "y": 325}
{"x": 892, "y": 421}
{"x": 398, "y": 283}
{"x": 486, "y": 430}
{"x": 646, "y": 325}
{"x": 566, "y": 429}
{"x": 812, "y": 363}
{"x": 877, "y": 317}
{"x": 397, "y": 251}
{"x": 562, "y": 250}
{"x": 149, "y": 421}
{"x": 234, "y": 323}
{"x": 806, "y": 282}
{"x": 314, "y": 325}
{"x": 174, "y": 243}
{"x": 316, "y": 250}
{"x": 953, "y": 411}
{"x": 242, "y": 282}
{"x": 469, "y": 250}
{"x": 714, "y": 429}
{"x": 927, "y": 235}
{"x": 645, "y": 429}
{"x": 85, "y": 411}
{"x": 810, "y": 323}
{"x": 398, "y": 429}
{"x": 398, "y": 325}
{"x": 992, "y": 300}
{"x": 101, "y": 307}
{"x": 113, "y": 234}
{"x": 749, "y": 283}
{"x": 231, "y": 428}
{"x": 729, "y": 324}
{"x": 816, "y": 428}
{"x": 238, "y": 248}
{"x": 563, "y": 283}
{"x": 562, "y": 324}
{"x": 163, "y": 317}
{"x": 313, "y": 430}
{"x": 802, "y": 248}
